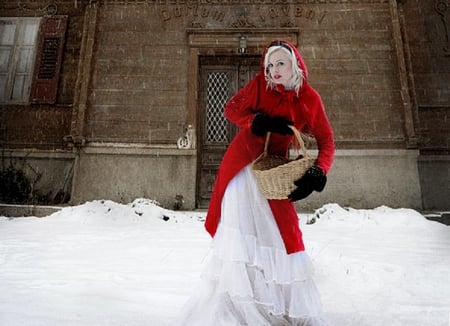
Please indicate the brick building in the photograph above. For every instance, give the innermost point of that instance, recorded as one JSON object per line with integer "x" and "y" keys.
{"x": 120, "y": 99}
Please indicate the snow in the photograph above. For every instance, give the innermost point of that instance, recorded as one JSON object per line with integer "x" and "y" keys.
{"x": 104, "y": 263}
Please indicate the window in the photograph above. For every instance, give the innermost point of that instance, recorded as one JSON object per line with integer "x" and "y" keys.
{"x": 31, "y": 51}
{"x": 18, "y": 43}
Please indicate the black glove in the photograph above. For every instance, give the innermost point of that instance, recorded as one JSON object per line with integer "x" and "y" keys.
{"x": 314, "y": 179}
{"x": 262, "y": 123}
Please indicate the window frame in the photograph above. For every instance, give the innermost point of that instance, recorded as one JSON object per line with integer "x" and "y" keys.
{"x": 12, "y": 69}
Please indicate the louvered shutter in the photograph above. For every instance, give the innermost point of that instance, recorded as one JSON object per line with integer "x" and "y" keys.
{"x": 48, "y": 59}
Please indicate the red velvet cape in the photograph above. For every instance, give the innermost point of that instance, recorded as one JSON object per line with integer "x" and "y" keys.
{"x": 307, "y": 112}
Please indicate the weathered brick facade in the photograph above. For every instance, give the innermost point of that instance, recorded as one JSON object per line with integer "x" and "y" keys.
{"x": 130, "y": 84}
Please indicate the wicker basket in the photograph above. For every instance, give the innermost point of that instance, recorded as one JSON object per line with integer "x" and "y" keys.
{"x": 276, "y": 174}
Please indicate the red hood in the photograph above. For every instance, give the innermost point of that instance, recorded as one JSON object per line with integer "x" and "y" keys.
{"x": 300, "y": 61}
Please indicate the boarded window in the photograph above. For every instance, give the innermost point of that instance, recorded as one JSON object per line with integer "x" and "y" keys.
{"x": 48, "y": 59}
{"x": 18, "y": 39}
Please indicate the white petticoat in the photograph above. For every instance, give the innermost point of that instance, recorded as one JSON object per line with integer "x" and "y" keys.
{"x": 249, "y": 279}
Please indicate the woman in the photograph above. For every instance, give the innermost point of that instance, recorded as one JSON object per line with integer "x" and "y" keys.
{"x": 258, "y": 272}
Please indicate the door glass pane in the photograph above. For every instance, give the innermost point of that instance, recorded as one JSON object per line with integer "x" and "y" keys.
{"x": 30, "y": 32}
{"x": 25, "y": 60}
{"x": 5, "y": 54}
{"x": 7, "y": 32}
{"x": 3, "y": 79}
{"x": 217, "y": 95}
{"x": 19, "y": 87}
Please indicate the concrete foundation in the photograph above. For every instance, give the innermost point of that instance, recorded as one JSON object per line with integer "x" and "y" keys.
{"x": 48, "y": 172}
{"x": 435, "y": 181}
{"x": 124, "y": 173}
{"x": 370, "y": 178}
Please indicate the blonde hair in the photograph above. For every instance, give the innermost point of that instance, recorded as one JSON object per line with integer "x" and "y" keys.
{"x": 297, "y": 73}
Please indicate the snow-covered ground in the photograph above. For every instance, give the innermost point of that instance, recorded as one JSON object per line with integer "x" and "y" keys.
{"x": 104, "y": 263}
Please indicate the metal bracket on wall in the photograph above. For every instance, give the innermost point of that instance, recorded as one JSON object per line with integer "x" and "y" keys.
{"x": 51, "y": 9}
{"x": 441, "y": 7}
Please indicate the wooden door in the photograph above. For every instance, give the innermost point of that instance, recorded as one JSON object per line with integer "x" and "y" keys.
{"x": 220, "y": 78}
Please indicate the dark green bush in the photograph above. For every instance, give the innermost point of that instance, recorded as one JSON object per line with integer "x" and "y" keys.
{"x": 15, "y": 187}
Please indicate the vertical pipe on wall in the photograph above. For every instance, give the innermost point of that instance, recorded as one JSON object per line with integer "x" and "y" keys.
{"x": 410, "y": 134}
{"x": 409, "y": 68}
{"x": 76, "y": 139}
{"x": 84, "y": 74}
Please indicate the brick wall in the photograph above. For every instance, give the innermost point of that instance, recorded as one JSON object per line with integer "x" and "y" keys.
{"x": 44, "y": 126}
{"x": 352, "y": 61}
{"x": 140, "y": 70}
{"x": 139, "y": 74}
{"x": 139, "y": 85}
{"x": 383, "y": 77}
{"x": 426, "y": 23}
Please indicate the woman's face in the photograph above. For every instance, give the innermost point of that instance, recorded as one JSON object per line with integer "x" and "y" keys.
{"x": 280, "y": 68}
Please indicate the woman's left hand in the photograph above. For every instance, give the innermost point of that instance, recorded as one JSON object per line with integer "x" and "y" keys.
{"x": 314, "y": 179}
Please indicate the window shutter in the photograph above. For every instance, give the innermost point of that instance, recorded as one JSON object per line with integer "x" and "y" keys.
{"x": 48, "y": 59}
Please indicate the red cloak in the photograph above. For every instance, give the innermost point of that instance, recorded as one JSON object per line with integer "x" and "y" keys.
{"x": 307, "y": 112}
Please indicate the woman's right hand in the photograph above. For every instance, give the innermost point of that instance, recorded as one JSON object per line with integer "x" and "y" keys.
{"x": 262, "y": 123}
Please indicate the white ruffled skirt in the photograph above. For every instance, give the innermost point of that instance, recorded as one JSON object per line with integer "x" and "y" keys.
{"x": 249, "y": 279}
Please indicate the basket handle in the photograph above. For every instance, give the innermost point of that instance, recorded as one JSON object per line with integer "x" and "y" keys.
{"x": 297, "y": 135}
